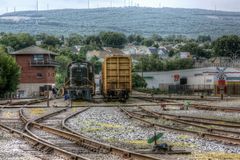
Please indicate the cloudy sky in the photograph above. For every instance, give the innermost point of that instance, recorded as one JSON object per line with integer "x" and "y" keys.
{"x": 9, "y": 5}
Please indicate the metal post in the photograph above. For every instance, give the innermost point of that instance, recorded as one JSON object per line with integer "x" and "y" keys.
{"x": 155, "y": 138}
{"x": 142, "y": 70}
{"x": 48, "y": 96}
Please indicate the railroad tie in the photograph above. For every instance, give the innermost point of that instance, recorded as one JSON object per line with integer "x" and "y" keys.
{"x": 48, "y": 150}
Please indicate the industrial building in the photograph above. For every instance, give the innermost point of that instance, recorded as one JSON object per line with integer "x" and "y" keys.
{"x": 195, "y": 79}
{"x": 37, "y": 70}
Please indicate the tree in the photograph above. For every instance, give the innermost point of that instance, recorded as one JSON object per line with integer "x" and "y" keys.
{"x": 156, "y": 37}
{"x": 51, "y": 41}
{"x": 9, "y": 73}
{"x": 61, "y": 72}
{"x": 138, "y": 81}
{"x": 83, "y": 51}
{"x": 74, "y": 39}
{"x": 203, "y": 38}
{"x": 195, "y": 50}
{"x": 17, "y": 41}
{"x": 135, "y": 38}
{"x": 113, "y": 39}
{"x": 97, "y": 64}
{"x": 227, "y": 46}
{"x": 93, "y": 40}
{"x": 148, "y": 42}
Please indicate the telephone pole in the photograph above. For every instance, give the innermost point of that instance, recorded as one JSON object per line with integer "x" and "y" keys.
{"x": 37, "y": 6}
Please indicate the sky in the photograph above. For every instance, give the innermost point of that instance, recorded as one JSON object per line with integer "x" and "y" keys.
{"x": 19, "y": 5}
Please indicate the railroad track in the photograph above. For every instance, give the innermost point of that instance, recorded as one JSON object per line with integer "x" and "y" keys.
{"x": 15, "y": 126}
{"x": 95, "y": 147}
{"x": 165, "y": 102}
{"x": 211, "y": 134}
{"x": 174, "y": 98}
{"x": 196, "y": 121}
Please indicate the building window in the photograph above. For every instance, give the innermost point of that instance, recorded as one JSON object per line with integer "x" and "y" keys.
{"x": 39, "y": 75}
{"x": 38, "y": 57}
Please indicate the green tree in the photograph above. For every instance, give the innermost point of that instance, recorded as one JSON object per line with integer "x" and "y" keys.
{"x": 83, "y": 51}
{"x": 148, "y": 42}
{"x": 74, "y": 39}
{"x": 9, "y": 73}
{"x": 113, "y": 39}
{"x": 138, "y": 81}
{"x": 61, "y": 72}
{"x": 17, "y": 41}
{"x": 203, "y": 38}
{"x": 195, "y": 50}
{"x": 156, "y": 37}
{"x": 51, "y": 41}
{"x": 93, "y": 40}
{"x": 227, "y": 46}
{"x": 97, "y": 64}
{"x": 135, "y": 38}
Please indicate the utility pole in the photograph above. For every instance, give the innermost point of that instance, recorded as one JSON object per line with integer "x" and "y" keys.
{"x": 37, "y": 6}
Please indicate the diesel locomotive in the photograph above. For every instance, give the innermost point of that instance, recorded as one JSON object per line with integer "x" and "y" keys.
{"x": 80, "y": 81}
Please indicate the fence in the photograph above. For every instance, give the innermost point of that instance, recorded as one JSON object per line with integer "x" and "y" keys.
{"x": 230, "y": 89}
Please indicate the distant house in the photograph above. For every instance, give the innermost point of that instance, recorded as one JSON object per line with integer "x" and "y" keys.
{"x": 37, "y": 70}
{"x": 184, "y": 55}
{"x": 76, "y": 49}
{"x": 163, "y": 53}
{"x": 111, "y": 50}
{"x": 136, "y": 50}
{"x": 100, "y": 54}
{"x": 153, "y": 50}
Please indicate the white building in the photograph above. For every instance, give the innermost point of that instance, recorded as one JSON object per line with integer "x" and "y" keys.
{"x": 195, "y": 77}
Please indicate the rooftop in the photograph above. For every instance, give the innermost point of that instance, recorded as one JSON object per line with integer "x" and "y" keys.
{"x": 33, "y": 50}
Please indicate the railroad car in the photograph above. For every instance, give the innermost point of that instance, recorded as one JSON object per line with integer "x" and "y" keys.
{"x": 80, "y": 81}
{"x": 116, "y": 80}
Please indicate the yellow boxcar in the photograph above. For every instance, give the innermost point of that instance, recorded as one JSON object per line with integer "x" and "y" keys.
{"x": 117, "y": 77}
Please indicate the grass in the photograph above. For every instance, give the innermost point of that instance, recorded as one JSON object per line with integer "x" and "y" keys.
{"x": 37, "y": 111}
{"x": 216, "y": 156}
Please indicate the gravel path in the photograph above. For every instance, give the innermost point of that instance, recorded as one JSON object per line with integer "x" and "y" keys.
{"x": 112, "y": 126}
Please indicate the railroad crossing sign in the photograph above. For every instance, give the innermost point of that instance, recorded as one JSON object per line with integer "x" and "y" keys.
{"x": 155, "y": 138}
{"x": 221, "y": 80}
{"x": 221, "y": 73}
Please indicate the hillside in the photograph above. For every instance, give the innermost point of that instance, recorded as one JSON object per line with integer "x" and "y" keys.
{"x": 145, "y": 21}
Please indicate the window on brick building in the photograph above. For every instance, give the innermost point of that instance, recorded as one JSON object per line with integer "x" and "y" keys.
{"x": 38, "y": 57}
{"x": 39, "y": 75}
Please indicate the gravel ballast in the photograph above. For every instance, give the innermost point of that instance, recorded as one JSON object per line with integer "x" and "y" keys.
{"x": 112, "y": 126}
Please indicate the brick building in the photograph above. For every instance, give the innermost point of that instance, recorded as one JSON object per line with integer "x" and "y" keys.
{"x": 37, "y": 70}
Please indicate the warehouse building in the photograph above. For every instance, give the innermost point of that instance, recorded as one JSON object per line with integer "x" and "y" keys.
{"x": 37, "y": 70}
{"x": 195, "y": 79}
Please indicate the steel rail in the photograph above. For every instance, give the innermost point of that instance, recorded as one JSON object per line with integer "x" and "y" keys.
{"x": 42, "y": 146}
{"x": 196, "y": 106}
{"x": 217, "y": 122}
{"x": 114, "y": 150}
{"x": 176, "y": 119}
{"x": 81, "y": 139}
{"x": 225, "y": 139}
